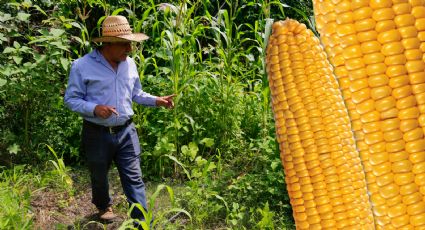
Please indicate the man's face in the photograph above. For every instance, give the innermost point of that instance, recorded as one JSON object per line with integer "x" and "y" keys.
{"x": 119, "y": 50}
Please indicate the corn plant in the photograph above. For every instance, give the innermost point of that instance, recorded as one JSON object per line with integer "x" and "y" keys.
{"x": 60, "y": 169}
{"x": 150, "y": 220}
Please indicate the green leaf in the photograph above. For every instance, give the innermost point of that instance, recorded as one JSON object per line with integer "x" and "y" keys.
{"x": 274, "y": 164}
{"x": 193, "y": 147}
{"x": 161, "y": 54}
{"x": 26, "y": 4}
{"x": 208, "y": 142}
{"x": 117, "y": 11}
{"x": 5, "y": 17}
{"x": 44, "y": 31}
{"x": 77, "y": 39}
{"x": 165, "y": 70}
{"x": 55, "y": 164}
{"x": 222, "y": 199}
{"x": 2, "y": 37}
{"x": 195, "y": 173}
{"x": 59, "y": 45}
{"x": 99, "y": 22}
{"x": 67, "y": 25}
{"x": 14, "y": 149}
{"x": 64, "y": 63}
{"x": 211, "y": 166}
{"x": 16, "y": 45}
{"x": 40, "y": 39}
{"x": 8, "y": 50}
{"x": 179, "y": 163}
{"x": 185, "y": 150}
{"x": 75, "y": 24}
{"x": 200, "y": 161}
{"x": 2, "y": 82}
{"x": 17, "y": 59}
{"x": 26, "y": 67}
{"x": 7, "y": 71}
{"x": 159, "y": 188}
{"x": 171, "y": 193}
{"x": 23, "y": 16}
{"x": 52, "y": 150}
{"x": 56, "y": 32}
{"x": 188, "y": 152}
{"x": 179, "y": 210}
{"x": 40, "y": 10}
{"x": 191, "y": 150}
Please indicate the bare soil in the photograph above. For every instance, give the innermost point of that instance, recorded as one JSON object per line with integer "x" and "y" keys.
{"x": 55, "y": 209}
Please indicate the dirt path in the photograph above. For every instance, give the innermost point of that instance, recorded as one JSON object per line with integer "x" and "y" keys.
{"x": 60, "y": 210}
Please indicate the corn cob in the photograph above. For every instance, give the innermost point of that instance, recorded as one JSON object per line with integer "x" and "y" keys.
{"x": 379, "y": 48}
{"x": 323, "y": 172}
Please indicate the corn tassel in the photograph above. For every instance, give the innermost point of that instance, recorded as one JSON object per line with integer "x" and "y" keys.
{"x": 323, "y": 172}
{"x": 377, "y": 48}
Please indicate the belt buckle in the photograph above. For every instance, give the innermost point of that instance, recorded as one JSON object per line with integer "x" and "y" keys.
{"x": 111, "y": 130}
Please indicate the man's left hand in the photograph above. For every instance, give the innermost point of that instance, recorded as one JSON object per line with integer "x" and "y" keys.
{"x": 166, "y": 101}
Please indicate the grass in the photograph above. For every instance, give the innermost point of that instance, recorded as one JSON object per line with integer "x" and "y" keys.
{"x": 31, "y": 199}
{"x": 15, "y": 195}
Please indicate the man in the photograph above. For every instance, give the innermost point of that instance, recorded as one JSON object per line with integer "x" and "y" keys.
{"x": 102, "y": 86}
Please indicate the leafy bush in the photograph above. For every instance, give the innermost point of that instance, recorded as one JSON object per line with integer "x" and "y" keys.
{"x": 34, "y": 63}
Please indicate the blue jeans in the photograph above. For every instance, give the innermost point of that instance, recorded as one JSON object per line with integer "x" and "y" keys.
{"x": 122, "y": 146}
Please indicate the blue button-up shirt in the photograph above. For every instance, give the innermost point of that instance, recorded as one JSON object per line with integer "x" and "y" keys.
{"x": 93, "y": 81}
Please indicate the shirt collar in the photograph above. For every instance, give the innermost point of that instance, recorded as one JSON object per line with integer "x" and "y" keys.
{"x": 97, "y": 55}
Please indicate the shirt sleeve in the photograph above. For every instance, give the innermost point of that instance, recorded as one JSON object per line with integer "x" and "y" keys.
{"x": 76, "y": 92}
{"x": 141, "y": 97}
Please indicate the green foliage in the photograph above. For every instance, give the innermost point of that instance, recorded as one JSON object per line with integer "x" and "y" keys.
{"x": 35, "y": 59}
{"x": 204, "y": 202}
{"x": 60, "y": 171}
{"x": 242, "y": 194}
{"x": 266, "y": 221}
{"x": 18, "y": 186}
{"x": 15, "y": 199}
{"x": 151, "y": 221}
{"x": 219, "y": 139}
{"x": 255, "y": 182}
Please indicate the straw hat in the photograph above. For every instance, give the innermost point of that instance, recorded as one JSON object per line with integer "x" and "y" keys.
{"x": 117, "y": 29}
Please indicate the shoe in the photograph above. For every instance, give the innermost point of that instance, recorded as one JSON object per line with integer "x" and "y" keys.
{"x": 107, "y": 214}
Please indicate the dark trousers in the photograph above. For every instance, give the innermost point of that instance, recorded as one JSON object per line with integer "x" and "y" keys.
{"x": 121, "y": 146}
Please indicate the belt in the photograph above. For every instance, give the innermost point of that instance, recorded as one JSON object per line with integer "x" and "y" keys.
{"x": 108, "y": 129}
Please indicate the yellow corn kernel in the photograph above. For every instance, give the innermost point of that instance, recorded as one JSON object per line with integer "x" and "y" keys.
{"x": 388, "y": 115}
{"x": 322, "y": 167}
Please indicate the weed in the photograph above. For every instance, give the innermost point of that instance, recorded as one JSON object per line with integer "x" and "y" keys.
{"x": 150, "y": 221}
{"x": 15, "y": 196}
{"x": 61, "y": 171}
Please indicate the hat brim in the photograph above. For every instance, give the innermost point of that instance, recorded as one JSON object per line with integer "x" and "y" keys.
{"x": 136, "y": 37}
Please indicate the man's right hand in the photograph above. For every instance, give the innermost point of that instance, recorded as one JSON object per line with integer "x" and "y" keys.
{"x": 104, "y": 111}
